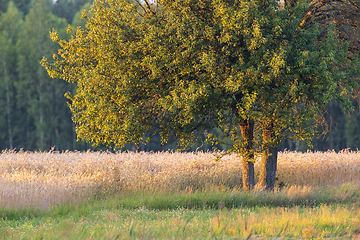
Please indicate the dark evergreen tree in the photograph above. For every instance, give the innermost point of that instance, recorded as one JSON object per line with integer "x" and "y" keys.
{"x": 78, "y": 21}
{"x": 10, "y": 23}
{"x": 67, "y": 8}
{"x": 22, "y": 5}
{"x": 352, "y": 129}
{"x": 48, "y": 123}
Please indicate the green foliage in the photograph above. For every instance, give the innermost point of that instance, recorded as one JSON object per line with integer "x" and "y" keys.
{"x": 68, "y": 9}
{"x": 20, "y": 74}
{"x": 23, "y": 130}
{"x": 78, "y": 21}
{"x": 10, "y": 25}
{"x": 183, "y": 68}
{"x": 42, "y": 100}
{"x": 22, "y": 5}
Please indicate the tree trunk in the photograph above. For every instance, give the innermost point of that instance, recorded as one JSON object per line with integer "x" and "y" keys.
{"x": 247, "y": 136}
{"x": 268, "y": 160}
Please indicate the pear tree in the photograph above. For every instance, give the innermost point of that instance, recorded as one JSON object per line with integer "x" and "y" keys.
{"x": 181, "y": 68}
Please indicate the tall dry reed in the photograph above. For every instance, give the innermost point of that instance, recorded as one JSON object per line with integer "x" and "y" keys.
{"x": 319, "y": 169}
{"x": 43, "y": 179}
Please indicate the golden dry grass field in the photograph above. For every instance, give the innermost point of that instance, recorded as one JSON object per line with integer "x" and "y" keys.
{"x": 44, "y": 179}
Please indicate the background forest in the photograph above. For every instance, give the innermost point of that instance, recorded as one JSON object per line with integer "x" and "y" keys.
{"x": 33, "y": 110}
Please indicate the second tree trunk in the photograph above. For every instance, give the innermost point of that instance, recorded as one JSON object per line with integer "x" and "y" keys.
{"x": 268, "y": 160}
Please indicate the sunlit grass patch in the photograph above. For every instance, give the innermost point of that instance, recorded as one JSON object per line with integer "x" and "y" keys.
{"x": 95, "y": 220}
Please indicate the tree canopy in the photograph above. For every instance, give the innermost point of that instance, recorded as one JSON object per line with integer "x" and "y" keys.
{"x": 180, "y": 68}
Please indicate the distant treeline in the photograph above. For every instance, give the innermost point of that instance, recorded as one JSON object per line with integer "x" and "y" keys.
{"x": 33, "y": 110}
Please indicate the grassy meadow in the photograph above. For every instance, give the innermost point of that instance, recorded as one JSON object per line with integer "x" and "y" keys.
{"x": 103, "y": 195}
